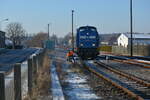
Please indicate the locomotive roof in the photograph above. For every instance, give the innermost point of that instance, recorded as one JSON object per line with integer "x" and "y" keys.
{"x": 87, "y": 27}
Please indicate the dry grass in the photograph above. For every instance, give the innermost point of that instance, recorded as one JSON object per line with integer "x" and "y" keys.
{"x": 42, "y": 89}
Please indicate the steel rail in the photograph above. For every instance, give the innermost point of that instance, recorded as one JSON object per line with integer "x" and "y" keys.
{"x": 125, "y": 90}
{"x": 132, "y": 77}
{"x": 133, "y": 60}
{"x": 129, "y": 62}
{"x": 140, "y": 62}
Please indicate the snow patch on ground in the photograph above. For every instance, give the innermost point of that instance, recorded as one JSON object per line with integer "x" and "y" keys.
{"x": 144, "y": 61}
{"x": 76, "y": 87}
{"x": 74, "y": 78}
{"x": 90, "y": 61}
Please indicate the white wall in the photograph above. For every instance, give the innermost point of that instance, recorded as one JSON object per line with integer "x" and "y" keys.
{"x": 122, "y": 40}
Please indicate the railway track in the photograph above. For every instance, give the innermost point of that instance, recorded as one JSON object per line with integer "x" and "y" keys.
{"x": 127, "y": 75}
{"x": 130, "y": 69}
{"x": 142, "y": 64}
{"x": 133, "y": 86}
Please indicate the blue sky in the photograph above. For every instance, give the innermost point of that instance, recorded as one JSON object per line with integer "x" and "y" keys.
{"x": 106, "y": 15}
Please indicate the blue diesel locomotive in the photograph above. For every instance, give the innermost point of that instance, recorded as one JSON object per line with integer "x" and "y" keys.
{"x": 87, "y": 42}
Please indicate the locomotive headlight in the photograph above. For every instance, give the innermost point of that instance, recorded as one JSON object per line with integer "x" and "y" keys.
{"x": 81, "y": 44}
{"x": 93, "y": 44}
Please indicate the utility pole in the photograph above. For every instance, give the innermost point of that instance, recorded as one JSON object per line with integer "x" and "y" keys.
{"x": 131, "y": 30}
{"x": 72, "y": 33}
{"x": 48, "y": 31}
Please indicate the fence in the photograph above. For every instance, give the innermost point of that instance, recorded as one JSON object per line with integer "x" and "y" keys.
{"x": 141, "y": 50}
{"x": 105, "y": 48}
{"x": 22, "y": 78}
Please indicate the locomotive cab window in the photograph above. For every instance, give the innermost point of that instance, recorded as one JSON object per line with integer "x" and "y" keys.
{"x": 93, "y": 29}
{"x": 81, "y": 30}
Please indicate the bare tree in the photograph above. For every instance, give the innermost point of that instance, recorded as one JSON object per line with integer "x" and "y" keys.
{"x": 37, "y": 40}
{"x": 15, "y": 32}
{"x": 67, "y": 38}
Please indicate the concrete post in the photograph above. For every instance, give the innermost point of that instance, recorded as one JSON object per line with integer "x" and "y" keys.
{"x": 34, "y": 69}
{"x": 17, "y": 81}
{"x": 2, "y": 86}
{"x": 30, "y": 75}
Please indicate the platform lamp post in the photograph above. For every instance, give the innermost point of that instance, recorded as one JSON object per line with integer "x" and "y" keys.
{"x": 48, "y": 28}
{"x": 3, "y": 21}
{"x": 72, "y": 32}
{"x": 131, "y": 29}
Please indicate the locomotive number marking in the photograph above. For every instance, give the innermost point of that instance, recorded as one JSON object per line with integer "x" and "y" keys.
{"x": 87, "y": 37}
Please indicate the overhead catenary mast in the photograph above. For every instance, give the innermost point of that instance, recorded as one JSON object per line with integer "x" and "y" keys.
{"x": 131, "y": 29}
{"x": 72, "y": 33}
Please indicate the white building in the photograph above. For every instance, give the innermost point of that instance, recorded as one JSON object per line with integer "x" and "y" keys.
{"x": 138, "y": 39}
{"x": 8, "y": 42}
